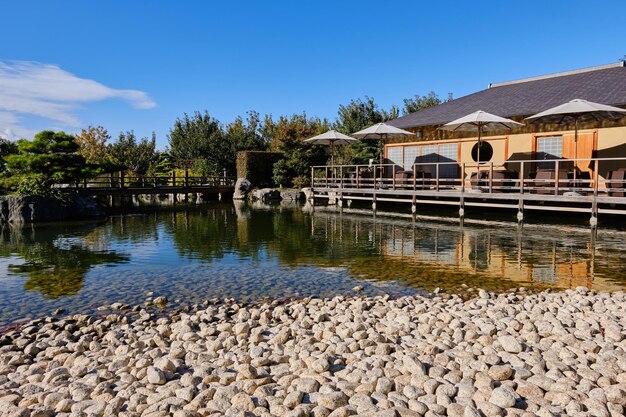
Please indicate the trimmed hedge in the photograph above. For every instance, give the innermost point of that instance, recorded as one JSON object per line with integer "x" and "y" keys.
{"x": 257, "y": 166}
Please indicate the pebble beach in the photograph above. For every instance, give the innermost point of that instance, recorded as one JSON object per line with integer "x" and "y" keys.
{"x": 508, "y": 354}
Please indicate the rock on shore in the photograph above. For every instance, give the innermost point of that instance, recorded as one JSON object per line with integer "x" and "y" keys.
{"x": 547, "y": 354}
{"x": 17, "y": 209}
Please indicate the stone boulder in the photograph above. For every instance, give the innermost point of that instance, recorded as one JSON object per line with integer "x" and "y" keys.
{"x": 308, "y": 193}
{"x": 242, "y": 189}
{"x": 35, "y": 209}
{"x": 292, "y": 195}
{"x": 265, "y": 195}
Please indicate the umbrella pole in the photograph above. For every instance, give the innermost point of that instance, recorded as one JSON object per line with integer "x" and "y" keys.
{"x": 478, "y": 158}
{"x": 382, "y": 141}
{"x": 575, "y": 148}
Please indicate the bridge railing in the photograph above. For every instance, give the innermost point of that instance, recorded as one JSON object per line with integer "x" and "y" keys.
{"x": 121, "y": 180}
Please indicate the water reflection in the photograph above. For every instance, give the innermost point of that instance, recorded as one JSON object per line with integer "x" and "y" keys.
{"x": 55, "y": 264}
{"x": 261, "y": 251}
{"x": 434, "y": 254}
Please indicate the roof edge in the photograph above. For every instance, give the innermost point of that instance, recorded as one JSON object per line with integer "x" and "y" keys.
{"x": 558, "y": 74}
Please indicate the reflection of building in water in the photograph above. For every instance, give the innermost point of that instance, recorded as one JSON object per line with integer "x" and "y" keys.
{"x": 559, "y": 260}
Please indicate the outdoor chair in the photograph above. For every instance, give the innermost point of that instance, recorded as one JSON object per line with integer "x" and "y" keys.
{"x": 545, "y": 181}
{"x": 617, "y": 182}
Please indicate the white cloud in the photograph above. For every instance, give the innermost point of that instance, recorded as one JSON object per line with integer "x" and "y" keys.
{"x": 47, "y": 91}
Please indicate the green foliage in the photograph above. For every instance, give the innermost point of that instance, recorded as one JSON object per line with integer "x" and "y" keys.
{"x": 39, "y": 185}
{"x": 301, "y": 181}
{"x": 130, "y": 154}
{"x": 6, "y": 148}
{"x": 92, "y": 144}
{"x": 417, "y": 102}
{"x": 51, "y": 154}
{"x": 257, "y": 166}
{"x": 198, "y": 142}
{"x": 358, "y": 115}
{"x": 246, "y": 135}
{"x": 287, "y": 135}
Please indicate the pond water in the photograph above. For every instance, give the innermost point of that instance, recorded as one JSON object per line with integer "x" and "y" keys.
{"x": 227, "y": 250}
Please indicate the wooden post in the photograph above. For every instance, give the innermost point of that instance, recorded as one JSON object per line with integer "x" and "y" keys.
{"x": 462, "y": 177}
{"x": 341, "y": 176}
{"x": 415, "y": 178}
{"x": 174, "y": 178}
{"x": 437, "y": 176}
{"x": 186, "y": 177}
{"x": 490, "y": 177}
{"x": 358, "y": 177}
{"x": 521, "y": 177}
{"x": 312, "y": 178}
{"x": 122, "y": 179}
{"x": 556, "y": 177}
{"x": 596, "y": 179}
{"x": 374, "y": 181}
{"x": 112, "y": 179}
{"x": 393, "y": 173}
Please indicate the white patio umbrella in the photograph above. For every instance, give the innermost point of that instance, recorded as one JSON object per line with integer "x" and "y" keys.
{"x": 381, "y": 131}
{"x": 575, "y": 111}
{"x": 332, "y": 138}
{"x": 480, "y": 121}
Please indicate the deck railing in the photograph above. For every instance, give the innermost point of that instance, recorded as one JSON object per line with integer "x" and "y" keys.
{"x": 592, "y": 176}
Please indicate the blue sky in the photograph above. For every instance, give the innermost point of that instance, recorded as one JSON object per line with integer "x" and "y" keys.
{"x": 141, "y": 64}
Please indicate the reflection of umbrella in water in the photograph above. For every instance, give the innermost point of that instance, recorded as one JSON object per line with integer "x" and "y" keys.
{"x": 332, "y": 138}
{"x": 381, "y": 131}
{"x": 480, "y": 121}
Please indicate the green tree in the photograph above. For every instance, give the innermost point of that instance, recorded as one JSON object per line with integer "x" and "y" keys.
{"x": 50, "y": 154}
{"x": 245, "y": 135}
{"x": 7, "y": 148}
{"x": 417, "y": 102}
{"x": 198, "y": 141}
{"x": 92, "y": 144}
{"x": 131, "y": 154}
{"x": 358, "y": 115}
{"x": 287, "y": 135}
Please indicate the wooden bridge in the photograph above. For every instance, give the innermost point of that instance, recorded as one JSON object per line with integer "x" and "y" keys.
{"x": 119, "y": 184}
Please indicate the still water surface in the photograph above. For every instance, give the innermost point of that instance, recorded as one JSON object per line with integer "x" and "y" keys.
{"x": 222, "y": 250}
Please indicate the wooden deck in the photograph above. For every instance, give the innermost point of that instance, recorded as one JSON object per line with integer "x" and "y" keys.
{"x": 535, "y": 186}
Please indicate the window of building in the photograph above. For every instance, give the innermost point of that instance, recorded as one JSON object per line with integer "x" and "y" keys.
{"x": 394, "y": 155}
{"x": 425, "y": 156}
{"x": 411, "y": 155}
{"x": 550, "y": 147}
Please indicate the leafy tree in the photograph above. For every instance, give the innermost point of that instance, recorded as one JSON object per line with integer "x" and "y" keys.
{"x": 50, "y": 154}
{"x": 7, "y": 148}
{"x": 246, "y": 135}
{"x": 92, "y": 144}
{"x": 358, "y": 115}
{"x": 417, "y": 102}
{"x": 199, "y": 141}
{"x": 132, "y": 154}
{"x": 287, "y": 135}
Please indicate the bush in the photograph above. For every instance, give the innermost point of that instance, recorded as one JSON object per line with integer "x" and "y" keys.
{"x": 257, "y": 167}
{"x": 301, "y": 182}
{"x": 39, "y": 185}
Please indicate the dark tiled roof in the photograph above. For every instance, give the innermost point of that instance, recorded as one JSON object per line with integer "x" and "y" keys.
{"x": 606, "y": 85}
